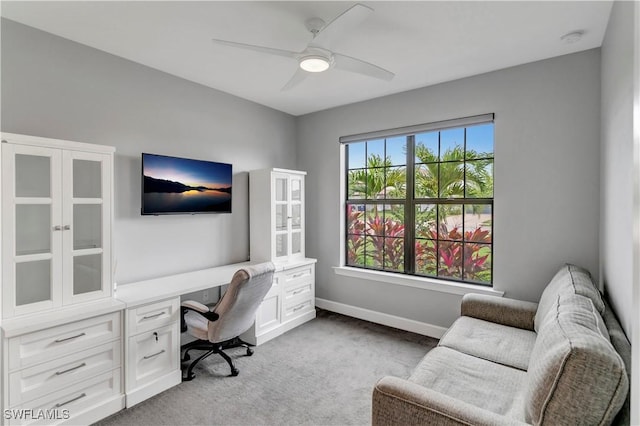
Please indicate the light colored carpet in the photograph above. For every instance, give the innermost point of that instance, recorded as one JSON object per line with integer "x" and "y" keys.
{"x": 321, "y": 373}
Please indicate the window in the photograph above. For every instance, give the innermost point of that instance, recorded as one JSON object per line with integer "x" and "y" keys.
{"x": 419, "y": 200}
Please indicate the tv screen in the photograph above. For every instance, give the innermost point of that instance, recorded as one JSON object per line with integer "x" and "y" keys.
{"x": 173, "y": 185}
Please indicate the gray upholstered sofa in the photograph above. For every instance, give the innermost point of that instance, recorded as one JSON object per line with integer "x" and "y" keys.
{"x": 503, "y": 362}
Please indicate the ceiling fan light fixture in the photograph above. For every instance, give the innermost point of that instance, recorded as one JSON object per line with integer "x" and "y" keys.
{"x": 314, "y": 63}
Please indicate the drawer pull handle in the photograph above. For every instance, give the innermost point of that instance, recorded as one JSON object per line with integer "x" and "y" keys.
{"x": 152, "y": 316}
{"x": 298, "y": 291}
{"x": 70, "y": 369}
{"x": 153, "y": 355}
{"x": 70, "y": 338}
{"x": 61, "y": 404}
{"x": 297, "y": 308}
{"x": 299, "y": 274}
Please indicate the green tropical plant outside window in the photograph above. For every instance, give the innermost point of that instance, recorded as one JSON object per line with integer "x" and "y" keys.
{"x": 422, "y": 204}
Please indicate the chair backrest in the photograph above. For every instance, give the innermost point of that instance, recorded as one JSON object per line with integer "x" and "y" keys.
{"x": 238, "y": 305}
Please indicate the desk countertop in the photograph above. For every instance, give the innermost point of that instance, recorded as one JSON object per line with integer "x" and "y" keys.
{"x": 156, "y": 289}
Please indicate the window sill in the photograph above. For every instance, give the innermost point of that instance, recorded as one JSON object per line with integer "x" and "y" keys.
{"x": 417, "y": 282}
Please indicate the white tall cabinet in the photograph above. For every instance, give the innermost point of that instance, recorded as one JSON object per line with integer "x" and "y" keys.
{"x": 61, "y": 327}
{"x": 277, "y": 234}
{"x": 277, "y": 214}
{"x": 56, "y": 221}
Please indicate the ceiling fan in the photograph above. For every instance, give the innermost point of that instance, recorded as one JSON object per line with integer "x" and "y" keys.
{"x": 318, "y": 56}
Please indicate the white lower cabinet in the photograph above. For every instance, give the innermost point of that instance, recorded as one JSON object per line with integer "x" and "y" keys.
{"x": 82, "y": 403}
{"x": 152, "y": 350}
{"x": 289, "y": 303}
{"x": 42, "y": 379}
{"x": 49, "y": 343}
{"x": 67, "y": 374}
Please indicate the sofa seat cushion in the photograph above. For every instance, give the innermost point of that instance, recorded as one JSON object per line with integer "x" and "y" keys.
{"x": 498, "y": 343}
{"x": 575, "y": 375}
{"x": 569, "y": 280}
{"x": 485, "y": 384}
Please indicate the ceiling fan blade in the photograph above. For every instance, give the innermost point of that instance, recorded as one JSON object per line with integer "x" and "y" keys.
{"x": 295, "y": 80}
{"x": 344, "y": 23}
{"x": 348, "y": 63}
{"x": 255, "y": 48}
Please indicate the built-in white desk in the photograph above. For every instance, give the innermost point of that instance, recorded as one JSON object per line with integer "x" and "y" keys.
{"x": 156, "y": 289}
{"x": 152, "y": 319}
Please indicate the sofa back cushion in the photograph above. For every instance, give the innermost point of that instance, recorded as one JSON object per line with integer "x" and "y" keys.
{"x": 570, "y": 279}
{"x": 575, "y": 375}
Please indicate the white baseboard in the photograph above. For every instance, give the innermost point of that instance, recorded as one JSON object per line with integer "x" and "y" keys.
{"x": 381, "y": 318}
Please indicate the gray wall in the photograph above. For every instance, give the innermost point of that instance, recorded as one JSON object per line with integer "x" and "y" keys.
{"x": 616, "y": 209}
{"x": 56, "y": 88}
{"x": 546, "y": 178}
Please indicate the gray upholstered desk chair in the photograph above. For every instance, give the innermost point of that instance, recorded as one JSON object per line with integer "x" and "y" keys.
{"x": 219, "y": 328}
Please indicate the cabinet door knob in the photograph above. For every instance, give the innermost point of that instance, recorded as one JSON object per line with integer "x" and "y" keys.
{"x": 66, "y": 227}
{"x": 57, "y": 228}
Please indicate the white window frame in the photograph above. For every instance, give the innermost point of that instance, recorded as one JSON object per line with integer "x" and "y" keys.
{"x": 415, "y": 281}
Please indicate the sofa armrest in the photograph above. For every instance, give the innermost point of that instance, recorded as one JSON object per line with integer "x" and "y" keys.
{"x": 500, "y": 310}
{"x": 401, "y": 402}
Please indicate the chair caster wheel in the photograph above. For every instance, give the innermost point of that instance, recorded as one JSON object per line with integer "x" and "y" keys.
{"x": 249, "y": 351}
{"x": 234, "y": 372}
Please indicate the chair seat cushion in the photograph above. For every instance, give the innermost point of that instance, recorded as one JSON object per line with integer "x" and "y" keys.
{"x": 498, "y": 343}
{"x": 482, "y": 383}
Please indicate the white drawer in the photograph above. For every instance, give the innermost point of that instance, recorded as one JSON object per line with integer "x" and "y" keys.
{"x": 296, "y": 309}
{"x": 39, "y": 380}
{"x": 44, "y": 345}
{"x": 295, "y": 276}
{"x": 62, "y": 406}
{"x": 301, "y": 291}
{"x": 152, "y": 355}
{"x": 153, "y": 315}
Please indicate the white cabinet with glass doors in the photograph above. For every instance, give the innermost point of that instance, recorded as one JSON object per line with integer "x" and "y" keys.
{"x": 276, "y": 202}
{"x": 277, "y": 214}
{"x": 56, "y": 223}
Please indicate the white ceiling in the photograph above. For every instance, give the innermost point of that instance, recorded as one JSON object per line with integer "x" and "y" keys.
{"x": 422, "y": 42}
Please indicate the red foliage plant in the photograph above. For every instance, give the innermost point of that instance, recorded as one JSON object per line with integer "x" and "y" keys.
{"x": 385, "y": 249}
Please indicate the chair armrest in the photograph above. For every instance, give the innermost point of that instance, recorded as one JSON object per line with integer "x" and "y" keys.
{"x": 500, "y": 310}
{"x": 192, "y": 305}
{"x": 399, "y": 402}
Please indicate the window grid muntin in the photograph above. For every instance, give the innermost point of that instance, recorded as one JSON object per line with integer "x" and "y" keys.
{"x": 410, "y": 202}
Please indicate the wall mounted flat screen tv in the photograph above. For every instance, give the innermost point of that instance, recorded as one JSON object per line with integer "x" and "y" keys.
{"x": 173, "y": 185}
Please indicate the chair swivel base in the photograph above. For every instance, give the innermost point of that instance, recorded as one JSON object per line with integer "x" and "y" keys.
{"x": 212, "y": 348}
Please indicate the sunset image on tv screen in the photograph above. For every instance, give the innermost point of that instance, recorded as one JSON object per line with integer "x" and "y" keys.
{"x": 182, "y": 185}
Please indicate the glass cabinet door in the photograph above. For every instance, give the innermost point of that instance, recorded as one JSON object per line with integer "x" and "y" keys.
{"x": 86, "y": 207}
{"x": 288, "y": 238}
{"x": 32, "y": 240}
{"x": 296, "y": 215}
{"x": 281, "y": 205}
